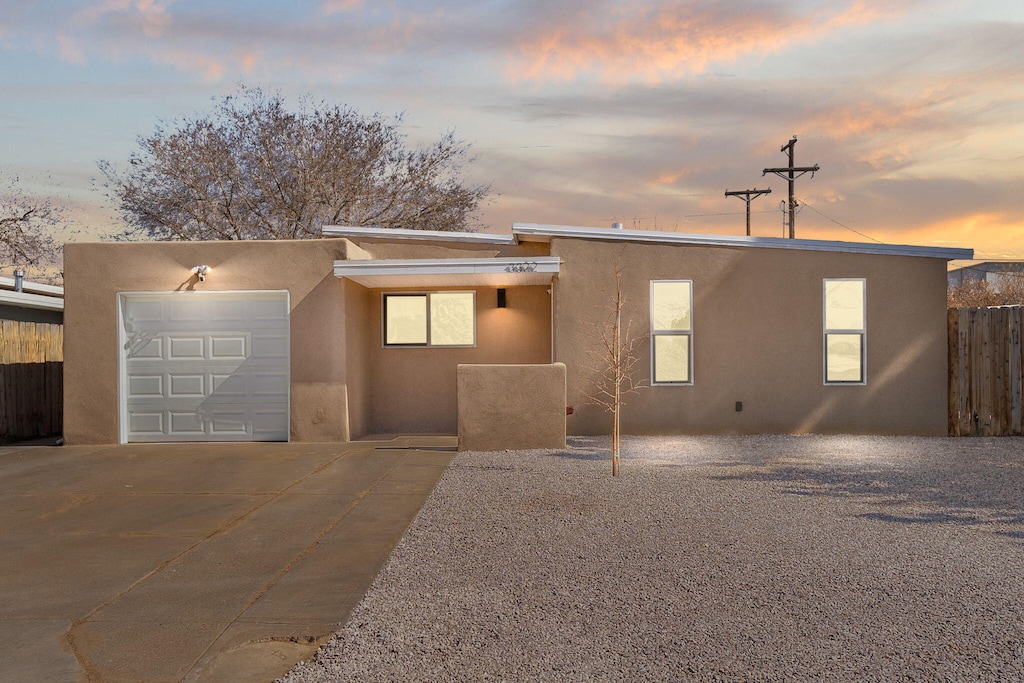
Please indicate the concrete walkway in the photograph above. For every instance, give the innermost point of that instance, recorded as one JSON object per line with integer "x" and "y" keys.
{"x": 206, "y": 562}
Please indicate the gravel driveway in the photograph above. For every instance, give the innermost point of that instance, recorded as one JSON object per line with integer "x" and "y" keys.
{"x": 710, "y": 558}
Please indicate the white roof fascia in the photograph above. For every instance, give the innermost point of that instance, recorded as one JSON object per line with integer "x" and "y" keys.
{"x": 454, "y": 271}
{"x": 31, "y": 287}
{"x": 24, "y": 300}
{"x": 533, "y": 232}
{"x": 428, "y": 235}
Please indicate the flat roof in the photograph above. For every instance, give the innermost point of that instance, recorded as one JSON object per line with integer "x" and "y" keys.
{"x": 406, "y": 234}
{"x": 31, "y": 287}
{"x": 535, "y": 232}
{"x": 449, "y": 272}
{"x": 26, "y": 300}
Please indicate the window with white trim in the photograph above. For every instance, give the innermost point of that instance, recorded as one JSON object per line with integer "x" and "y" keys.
{"x": 845, "y": 330}
{"x": 429, "y": 319}
{"x": 671, "y": 332}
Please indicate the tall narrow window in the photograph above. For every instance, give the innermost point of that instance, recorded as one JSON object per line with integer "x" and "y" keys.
{"x": 671, "y": 331}
{"x": 431, "y": 319}
{"x": 845, "y": 322}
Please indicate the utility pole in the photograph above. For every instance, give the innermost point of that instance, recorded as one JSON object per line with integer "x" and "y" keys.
{"x": 791, "y": 173}
{"x": 748, "y": 195}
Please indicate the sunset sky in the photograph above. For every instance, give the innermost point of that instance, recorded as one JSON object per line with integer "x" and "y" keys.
{"x": 579, "y": 113}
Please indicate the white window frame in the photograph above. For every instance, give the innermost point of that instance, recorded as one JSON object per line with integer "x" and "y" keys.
{"x": 656, "y": 333}
{"x": 427, "y": 344}
{"x": 862, "y": 331}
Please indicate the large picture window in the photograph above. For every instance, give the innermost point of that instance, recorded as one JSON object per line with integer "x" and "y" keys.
{"x": 845, "y": 334}
{"x": 671, "y": 332}
{"x": 430, "y": 319}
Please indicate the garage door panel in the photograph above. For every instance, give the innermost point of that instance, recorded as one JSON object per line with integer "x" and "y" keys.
{"x": 186, "y": 423}
{"x": 146, "y": 386}
{"x": 192, "y": 309}
{"x": 143, "y": 311}
{"x": 228, "y": 311}
{"x": 206, "y": 366}
{"x": 228, "y": 386}
{"x": 186, "y": 348}
{"x": 267, "y": 309}
{"x": 146, "y": 348}
{"x": 270, "y": 346}
{"x": 227, "y": 347}
{"x": 273, "y": 385}
{"x": 143, "y": 423}
{"x": 187, "y": 386}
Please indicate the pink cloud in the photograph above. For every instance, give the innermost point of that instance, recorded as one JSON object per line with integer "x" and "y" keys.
{"x": 650, "y": 42}
{"x": 70, "y": 51}
{"x": 339, "y": 6}
{"x": 152, "y": 13}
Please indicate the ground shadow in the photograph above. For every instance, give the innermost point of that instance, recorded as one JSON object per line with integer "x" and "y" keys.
{"x": 976, "y": 482}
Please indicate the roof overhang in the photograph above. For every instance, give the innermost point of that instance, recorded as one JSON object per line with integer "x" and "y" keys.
{"x": 533, "y": 232}
{"x": 453, "y": 272}
{"x": 32, "y": 287}
{"x": 406, "y": 234}
{"x": 26, "y": 300}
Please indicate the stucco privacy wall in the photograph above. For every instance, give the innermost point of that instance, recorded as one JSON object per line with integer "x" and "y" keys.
{"x": 757, "y": 338}
{"x": 414, "y": 390}
{"x": 95, "y": 273}
{"x": 511, "y": 407}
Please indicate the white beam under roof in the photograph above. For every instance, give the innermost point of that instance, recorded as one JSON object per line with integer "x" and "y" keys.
{"x": 26, "y": 300}
{"x": 406, "y": 234}
{"x": 452, "y": 272}
{"x": 31, "y": 287}
{"x": 533, "y": 232}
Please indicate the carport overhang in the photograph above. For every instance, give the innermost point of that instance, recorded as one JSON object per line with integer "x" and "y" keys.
{"x": 454, "y": 272}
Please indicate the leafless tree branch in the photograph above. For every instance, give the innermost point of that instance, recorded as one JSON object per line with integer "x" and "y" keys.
{"x": 253, "y": 169}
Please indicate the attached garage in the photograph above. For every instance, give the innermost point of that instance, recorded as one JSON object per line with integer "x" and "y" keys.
{"x": 204, "y": 366}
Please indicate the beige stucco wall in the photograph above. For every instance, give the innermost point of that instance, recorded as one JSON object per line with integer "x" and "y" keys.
{"x": 413, "y": 390}
{"x": 757, "y": 338}
{"x": 511, "y": 407}
{"x": 95, "y": 273}
{"x": 359, "y": 337}
{"x": 344, "y": 385}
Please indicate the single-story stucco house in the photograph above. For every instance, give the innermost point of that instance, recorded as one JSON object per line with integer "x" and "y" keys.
{"x": 364, "y": 333}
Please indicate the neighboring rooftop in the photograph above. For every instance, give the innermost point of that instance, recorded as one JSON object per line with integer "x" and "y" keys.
{"x": 31, "y": 295}
{"x": 533, "y": 232}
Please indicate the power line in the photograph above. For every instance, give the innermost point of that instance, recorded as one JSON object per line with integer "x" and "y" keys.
{"x": 803, "y": 202}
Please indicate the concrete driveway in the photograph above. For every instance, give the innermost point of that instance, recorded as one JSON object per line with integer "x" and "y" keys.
{"x": 201, "y": 562}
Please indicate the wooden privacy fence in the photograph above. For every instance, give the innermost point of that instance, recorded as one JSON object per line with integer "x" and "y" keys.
{"x": 31, "y": 379}
{"x": 986, "y": 371}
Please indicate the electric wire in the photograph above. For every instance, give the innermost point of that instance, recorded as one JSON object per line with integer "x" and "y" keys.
{"x": 803, "y": 202}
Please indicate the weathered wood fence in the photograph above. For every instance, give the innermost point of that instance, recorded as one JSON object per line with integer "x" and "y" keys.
{"x": 986, "y": 371}
{"x": 31, "y": 379}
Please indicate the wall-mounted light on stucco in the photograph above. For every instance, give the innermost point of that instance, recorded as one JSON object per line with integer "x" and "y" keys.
{"x": 501, "y": 298}
{"x": 200, "y": 272}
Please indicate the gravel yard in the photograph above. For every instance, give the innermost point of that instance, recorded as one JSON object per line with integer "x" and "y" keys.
{"x": 711, "y": 558}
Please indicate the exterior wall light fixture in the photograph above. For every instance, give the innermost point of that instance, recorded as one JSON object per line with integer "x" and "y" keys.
{"x": 501, "y": 297}
{"x": 200, "y": 272}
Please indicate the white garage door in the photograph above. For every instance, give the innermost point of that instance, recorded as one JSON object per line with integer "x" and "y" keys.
{"x": 204, "y": 366}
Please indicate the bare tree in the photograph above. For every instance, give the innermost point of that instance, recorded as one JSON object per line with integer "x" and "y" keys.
{"x": 29, "y": 226}
{"x": 614, "y": 360}
{"x": 1008, "y": 291}
{"x": 253, "y": 169}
